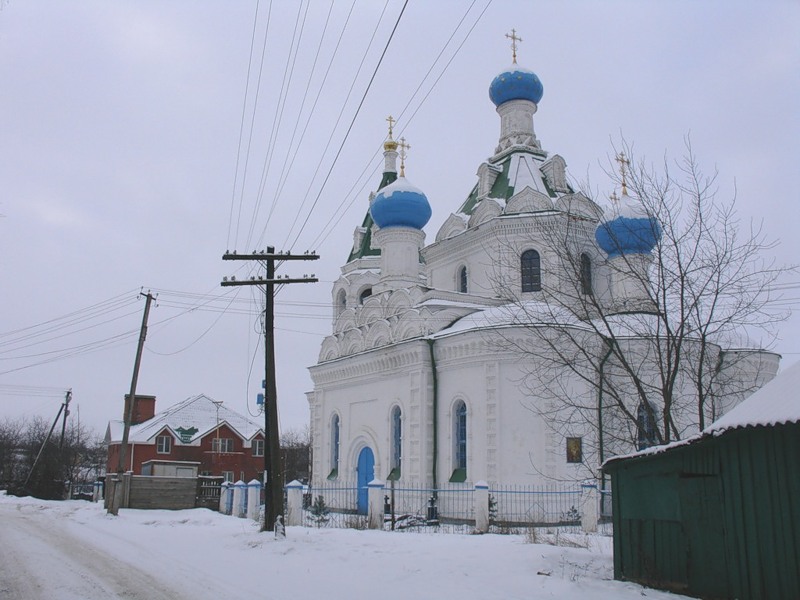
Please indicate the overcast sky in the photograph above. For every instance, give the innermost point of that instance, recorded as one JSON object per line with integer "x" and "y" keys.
{"x": 134, "y": 151}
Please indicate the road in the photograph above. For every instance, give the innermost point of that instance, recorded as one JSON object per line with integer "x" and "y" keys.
{"x": 41, "y": 560}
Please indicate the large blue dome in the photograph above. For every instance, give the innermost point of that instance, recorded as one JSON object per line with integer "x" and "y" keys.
{"x": 400, "y": 204}
{"x": 631, "y": 231}
{"x": 516, "y": 84}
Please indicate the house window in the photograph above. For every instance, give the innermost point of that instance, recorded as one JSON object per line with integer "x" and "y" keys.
{"x": 222, "y": 445}
{"x": 364, "y": 295}
{"x": 227, "y": 476}
{"x": 334, "y": 447}
{"x": 586, "y": 275}
{"x": 164, "y": 444}
{"x": 574, "y": 450}
{"x": 258, "y": 447}
{"x": 531, "y": 271}
{"x": 397, "y": 443}
{"x": 460, "y": 445}
{"x": 462, "y": 280}
{"x": 645, "y": 427}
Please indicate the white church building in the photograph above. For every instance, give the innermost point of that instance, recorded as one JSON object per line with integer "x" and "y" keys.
{"x": 422, "y": 379}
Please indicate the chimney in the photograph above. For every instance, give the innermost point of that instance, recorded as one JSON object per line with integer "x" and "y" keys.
{"x": 144, "y": 408}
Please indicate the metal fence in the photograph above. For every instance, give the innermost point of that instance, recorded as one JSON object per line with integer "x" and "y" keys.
{"x": 448, "y": 508}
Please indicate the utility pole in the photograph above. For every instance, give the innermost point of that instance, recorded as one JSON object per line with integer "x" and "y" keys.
{"x": 63, "y": 410}
{"x": 273, "y": 476}
{"x": 64, "y": 418}
{"x": 113, "y": 505}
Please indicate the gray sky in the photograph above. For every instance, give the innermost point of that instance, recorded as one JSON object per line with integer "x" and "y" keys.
{"x": 120, "y": 130}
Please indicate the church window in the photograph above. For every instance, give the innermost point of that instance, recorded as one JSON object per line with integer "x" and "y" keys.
{"x": 586, "y": 275}
{"x": 574, "y": 450}
{"x": 462, "y": 280}
{"x": 645, "y": 427}
{"x": 531, "y": 270}
{"x": 397, "y": 443}
{"x": 460, "y": 446}
{"x": 366, "y": 293}
{"x": 334, "y": 447}
{"x": 341, "y": 302}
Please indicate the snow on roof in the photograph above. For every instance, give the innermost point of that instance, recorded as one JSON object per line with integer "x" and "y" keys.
{"x": 530, "y": 312}
{"x": 195, "y": 417}
{"x": 777, "y": 403}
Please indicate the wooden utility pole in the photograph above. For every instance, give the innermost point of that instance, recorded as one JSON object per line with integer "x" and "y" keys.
{"x": 113, "y": 505}
{"x": 63, "y": 410}
{"x": 64, "y": 418}
{"x": 273, "y": 475}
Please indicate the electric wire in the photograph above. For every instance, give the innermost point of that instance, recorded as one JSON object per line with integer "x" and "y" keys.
{"x": 334, "y": 128}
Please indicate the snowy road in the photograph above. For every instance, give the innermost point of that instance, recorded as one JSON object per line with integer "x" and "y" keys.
{"x": 74, "y": 550}
{"x": 41, "y": 559}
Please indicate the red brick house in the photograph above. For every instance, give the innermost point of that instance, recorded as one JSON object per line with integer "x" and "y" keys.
{"x": 199, "y": 431}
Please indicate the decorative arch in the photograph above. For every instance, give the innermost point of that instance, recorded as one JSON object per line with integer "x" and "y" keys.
{"x": 379, "y": 334}
{"x": 454, "y": 225}
{"x": 486, "y": 210}
{"x": 528, "y": 200}
{"x": 579, "y": 205}
{"x": 459, "y": 448}
{"x": 330, "y": 349}
{"x": 364, "y": 293}
{"x": 341, "y": 302}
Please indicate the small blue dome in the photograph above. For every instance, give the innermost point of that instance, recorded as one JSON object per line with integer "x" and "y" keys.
{"x": 400, "y": 204}
{"x": 516, "y": 84}
{"x": 631, "y": 231}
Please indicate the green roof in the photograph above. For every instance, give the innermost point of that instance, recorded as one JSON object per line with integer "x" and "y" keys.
{"x": 365, "y": 248}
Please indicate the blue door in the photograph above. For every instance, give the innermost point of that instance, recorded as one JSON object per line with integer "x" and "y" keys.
{"x": 366, "y": 473}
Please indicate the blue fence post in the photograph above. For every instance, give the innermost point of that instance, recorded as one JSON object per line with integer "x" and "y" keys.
{"x": 294, "y": 503}
{"x": 226, "y": 498}
{"x": 253, "y": 498}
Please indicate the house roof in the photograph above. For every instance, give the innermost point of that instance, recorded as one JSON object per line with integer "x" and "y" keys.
{"x": 188, "y": 420}
{"x": 777, "y": 403}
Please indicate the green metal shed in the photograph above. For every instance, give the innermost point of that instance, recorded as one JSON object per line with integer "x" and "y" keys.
{"x": 718, "y": 515}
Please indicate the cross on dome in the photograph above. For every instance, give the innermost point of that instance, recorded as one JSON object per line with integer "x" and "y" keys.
{"x": 390, "y": 145}
{"x": 403, "y": 147}
{"x": 624, "y": 164}
{"x": 514, "y": 39}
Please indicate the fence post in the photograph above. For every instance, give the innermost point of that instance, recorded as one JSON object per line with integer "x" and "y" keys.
{"x": 126, "y": 488}
{"x": 239, "y": 498}
{"x": 96, "y": 491}
{"x": 375, "y": 499}
{"x": 253, "y": 499}
{"x": 481, "y": 502}
{"x": 225, "y": 498}
{"x": 294, "y": 503}
{"x": 589, "y": 507}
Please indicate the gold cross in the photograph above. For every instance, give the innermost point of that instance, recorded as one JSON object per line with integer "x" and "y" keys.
{"x": 624, "y": 163}
{"x": 391, "y": 122}
{"x": 514, "y": 39}
{"x": 403, "y": 147}
{"x": 614, "y": 198}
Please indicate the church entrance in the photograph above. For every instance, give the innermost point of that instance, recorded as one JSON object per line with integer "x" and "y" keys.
{"x": 366, "y": 473}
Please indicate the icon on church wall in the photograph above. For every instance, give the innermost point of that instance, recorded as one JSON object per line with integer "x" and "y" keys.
{"x": 574, "y": 449}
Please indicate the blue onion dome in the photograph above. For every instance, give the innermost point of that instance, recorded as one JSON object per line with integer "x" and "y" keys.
{"x": 400, "y": 204}
{"x": 516, "y": 83}
{"x": 630, "y": 230}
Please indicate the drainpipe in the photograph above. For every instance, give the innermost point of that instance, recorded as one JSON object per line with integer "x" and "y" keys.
{"x": 601, "y": 374}
{"x": 435, "y": 412}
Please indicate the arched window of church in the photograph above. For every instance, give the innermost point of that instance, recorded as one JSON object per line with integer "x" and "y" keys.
{"x": 586, "y": 275}
{"x": 341, "y": 302}
{"x": 334, "y": 447}
{"x": 365, "y": 293}
{"x": 397, "y": 443}
{"x": 645, "y": 426}
{"x": 460, "y": 445}
{"x": 462, "y": 280}
{"x": 531, "y": 270}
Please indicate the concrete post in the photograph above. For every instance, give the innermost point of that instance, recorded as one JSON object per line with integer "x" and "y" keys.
{"x": 225, "y": 498}
{"x": 239, "y": 498}
{"x": 97, "y": 491}
{"x": 375, "y": 500}
{"x": 126, "y": 489}
{"x": 253, "y": 499}
{"x": 481, "y": 500}
{"x": 294, "y": 501}
{"x": 589, "y": 507}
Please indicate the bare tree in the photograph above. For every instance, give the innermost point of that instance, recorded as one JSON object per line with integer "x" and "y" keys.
{"x": 639, "y": 342}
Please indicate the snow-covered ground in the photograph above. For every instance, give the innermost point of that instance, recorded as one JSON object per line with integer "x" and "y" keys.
{"x": 72, "y": 549}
